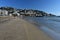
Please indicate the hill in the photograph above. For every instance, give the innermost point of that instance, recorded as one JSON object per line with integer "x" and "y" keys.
{"x": 26, "y": 12}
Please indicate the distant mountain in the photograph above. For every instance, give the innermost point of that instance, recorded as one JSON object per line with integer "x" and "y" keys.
{"x": 37, "y": 12}
{"x": 6, "y": 8}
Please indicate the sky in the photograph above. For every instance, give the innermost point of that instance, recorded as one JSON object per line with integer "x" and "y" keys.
{"x": 49, "y": 6}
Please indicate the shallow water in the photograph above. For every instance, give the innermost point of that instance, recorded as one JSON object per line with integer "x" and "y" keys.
{"x": 50, "y": 25}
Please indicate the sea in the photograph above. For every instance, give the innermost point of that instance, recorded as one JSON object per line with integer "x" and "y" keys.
{"x": 49, "y": 25}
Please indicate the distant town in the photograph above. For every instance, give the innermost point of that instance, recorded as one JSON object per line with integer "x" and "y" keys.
{"x": 10, "y": 11}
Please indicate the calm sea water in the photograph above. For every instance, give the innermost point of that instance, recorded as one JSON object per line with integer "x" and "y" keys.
{"x": 49, "y": 25}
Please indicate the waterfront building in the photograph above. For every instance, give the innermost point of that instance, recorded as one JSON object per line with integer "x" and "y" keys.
{"x": 3, "y": 13}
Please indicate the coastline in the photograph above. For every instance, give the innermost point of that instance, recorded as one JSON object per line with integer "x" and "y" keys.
{"x": 36, "y": 25}
{"x": 51, "y": 33}
{"x": 34, "y": 31}
{"x": 21, "y": 29}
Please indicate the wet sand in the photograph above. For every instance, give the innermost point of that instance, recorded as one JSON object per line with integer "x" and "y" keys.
{"x": 19, "y": 29}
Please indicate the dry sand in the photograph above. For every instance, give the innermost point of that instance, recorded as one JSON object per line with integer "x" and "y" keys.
{"x": 19, "y": 29}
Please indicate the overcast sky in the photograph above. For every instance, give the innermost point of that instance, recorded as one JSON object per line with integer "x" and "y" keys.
{"x": 49, "y": 6}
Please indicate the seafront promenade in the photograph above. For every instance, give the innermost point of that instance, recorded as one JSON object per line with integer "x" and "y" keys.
{"x": 19, "y": 29}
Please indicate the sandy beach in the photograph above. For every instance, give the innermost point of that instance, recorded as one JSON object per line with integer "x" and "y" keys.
{"x": 19, "y": 29}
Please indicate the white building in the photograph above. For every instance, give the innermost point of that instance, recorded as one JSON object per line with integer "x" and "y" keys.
{"x": 3, "y": 13}
{"x": 30, "y": 13}
{"x": 10, "y": 14}
{"x": 16, "y": 12}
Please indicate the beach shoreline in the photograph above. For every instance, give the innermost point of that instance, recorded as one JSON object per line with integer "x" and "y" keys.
{"x": 21, "y": 29}
{"x": 47, "y": 25}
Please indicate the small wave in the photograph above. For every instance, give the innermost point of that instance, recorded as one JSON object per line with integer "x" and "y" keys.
{"x": 51, "y": 33}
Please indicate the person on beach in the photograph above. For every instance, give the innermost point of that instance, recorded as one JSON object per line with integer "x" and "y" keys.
{"x": 14, "y": 15}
